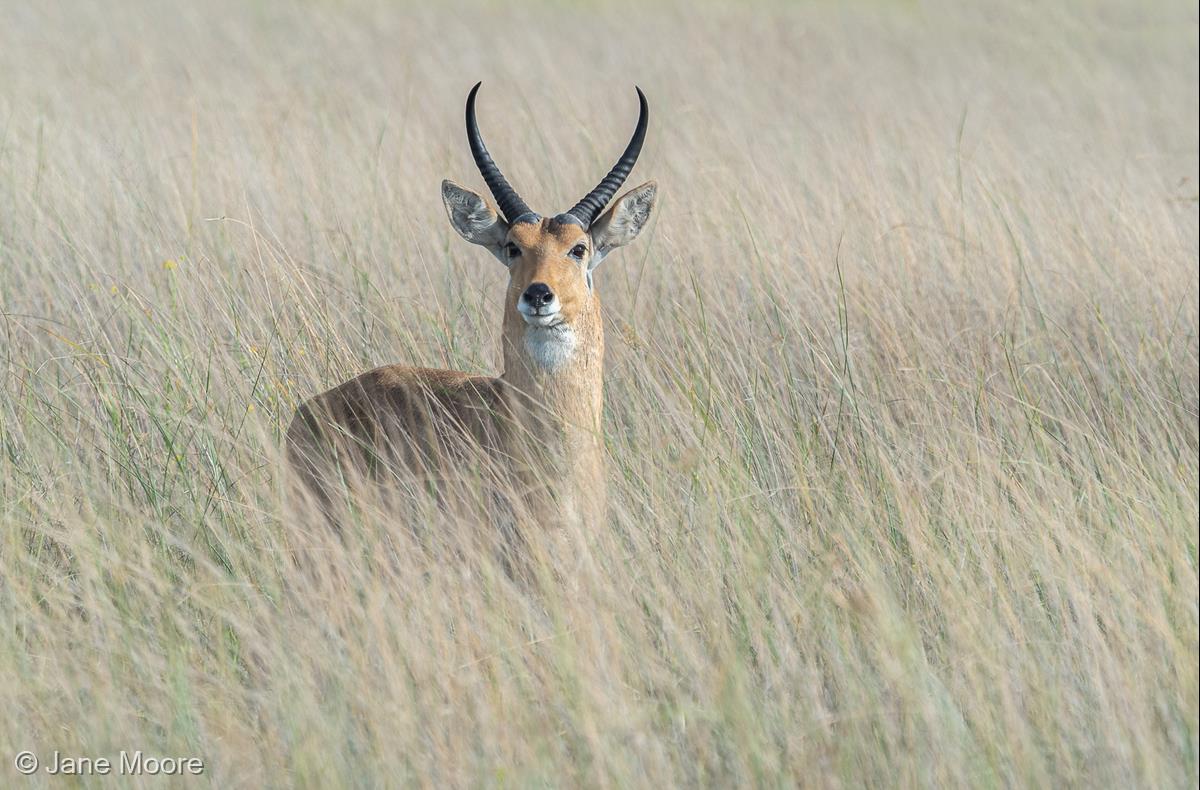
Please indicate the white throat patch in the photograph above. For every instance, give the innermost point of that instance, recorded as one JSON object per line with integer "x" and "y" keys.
{"x": 550, "y": 347}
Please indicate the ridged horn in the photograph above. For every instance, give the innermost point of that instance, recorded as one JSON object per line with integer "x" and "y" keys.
{"x": 590, "y": 207}
{"x": 510, "y": 203}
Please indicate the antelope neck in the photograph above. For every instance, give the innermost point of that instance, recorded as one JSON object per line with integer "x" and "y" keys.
{"x": 569, "y": 387}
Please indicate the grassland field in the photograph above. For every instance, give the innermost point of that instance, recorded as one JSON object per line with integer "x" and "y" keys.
{"x": 900, "y": 413}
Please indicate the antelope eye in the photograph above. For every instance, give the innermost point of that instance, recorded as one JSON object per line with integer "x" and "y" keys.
{"x": 578, "y": 251}
{"x": 512, "y": 250}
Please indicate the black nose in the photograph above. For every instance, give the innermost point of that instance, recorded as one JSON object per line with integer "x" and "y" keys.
{"x": 538, "y": 295}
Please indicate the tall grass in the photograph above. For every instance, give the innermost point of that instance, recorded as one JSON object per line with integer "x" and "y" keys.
{"x": 901, "y": 406}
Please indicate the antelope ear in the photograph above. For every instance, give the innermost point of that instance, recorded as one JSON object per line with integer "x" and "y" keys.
{"x": 474, "y": 219}
{"x": 623, "y": 221}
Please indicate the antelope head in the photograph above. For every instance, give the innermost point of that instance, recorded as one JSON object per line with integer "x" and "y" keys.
{"x": 550, "y": 260}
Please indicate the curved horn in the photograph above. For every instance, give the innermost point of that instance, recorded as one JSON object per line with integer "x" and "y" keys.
{"x": 510, "y": 203}
{"x": 590, "y": 207}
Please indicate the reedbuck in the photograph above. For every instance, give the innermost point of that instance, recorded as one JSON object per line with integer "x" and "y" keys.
{"x": 540, "y": 420}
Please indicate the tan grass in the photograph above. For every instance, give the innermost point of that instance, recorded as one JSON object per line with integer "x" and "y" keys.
{"x": 901, "y": 393}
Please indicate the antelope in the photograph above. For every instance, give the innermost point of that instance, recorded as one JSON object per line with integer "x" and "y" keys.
{"x": 541, "y": 417}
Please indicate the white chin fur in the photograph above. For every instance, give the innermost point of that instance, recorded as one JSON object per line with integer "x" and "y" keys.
{"x": 550, "y": 347}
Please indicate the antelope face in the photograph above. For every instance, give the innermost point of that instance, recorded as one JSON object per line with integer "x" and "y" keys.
{"x": 548, "y": 272}
{"x": 550, "y": 260}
